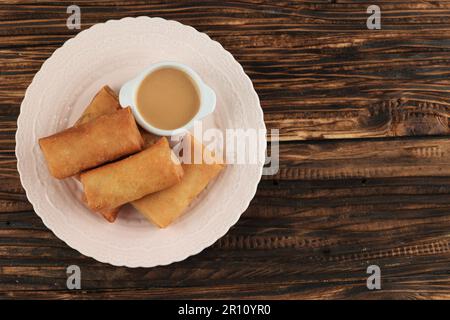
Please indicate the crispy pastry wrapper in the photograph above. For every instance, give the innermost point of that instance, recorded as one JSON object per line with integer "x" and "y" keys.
{"x": 151, "y": 170}
{"x": 91, "y": 144}
{"x": 165, "y": 206}
{"x": 104, "y": 102}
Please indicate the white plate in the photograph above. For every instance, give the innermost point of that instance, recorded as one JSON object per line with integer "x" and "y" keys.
{"x": 111, "y": 53}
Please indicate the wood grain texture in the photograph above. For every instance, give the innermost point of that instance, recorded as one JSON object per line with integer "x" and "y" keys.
{"x": 364, "y": 154}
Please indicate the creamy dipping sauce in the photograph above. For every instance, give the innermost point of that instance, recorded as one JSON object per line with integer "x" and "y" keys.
{"x": 167, "y": 98}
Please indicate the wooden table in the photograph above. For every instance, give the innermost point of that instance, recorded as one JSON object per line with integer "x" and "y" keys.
{"x": 364, "y": 156}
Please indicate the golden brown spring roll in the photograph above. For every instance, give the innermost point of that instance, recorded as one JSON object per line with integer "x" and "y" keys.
{"x": 148, "y": 171}
{"x": 149, "y": 139}
{"x": 111, "y": 214}
{"x": 163, "y": 207}
{"x": 104, "y": 102}
{"x": 103, "y": 139}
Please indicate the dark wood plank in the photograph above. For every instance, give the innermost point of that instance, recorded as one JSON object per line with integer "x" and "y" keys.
{"x": 293, "y": 242}
{"x": 343, "y": 159}
{"x": 349, "y": 84}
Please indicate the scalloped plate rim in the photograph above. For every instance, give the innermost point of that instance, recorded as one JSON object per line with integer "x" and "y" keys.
{"x": 205, "y": 243}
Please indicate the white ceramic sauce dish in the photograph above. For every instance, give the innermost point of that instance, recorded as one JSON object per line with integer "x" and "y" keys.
{"x": 128, "y": 93}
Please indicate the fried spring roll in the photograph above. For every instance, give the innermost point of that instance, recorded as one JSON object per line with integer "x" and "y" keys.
{"x": 148, "y": 171}
{"x": 104, "y": 102}
{"x": 111, "y": 214}
{"x": 163, "y": 207}
{"x": 104, "y": 139}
